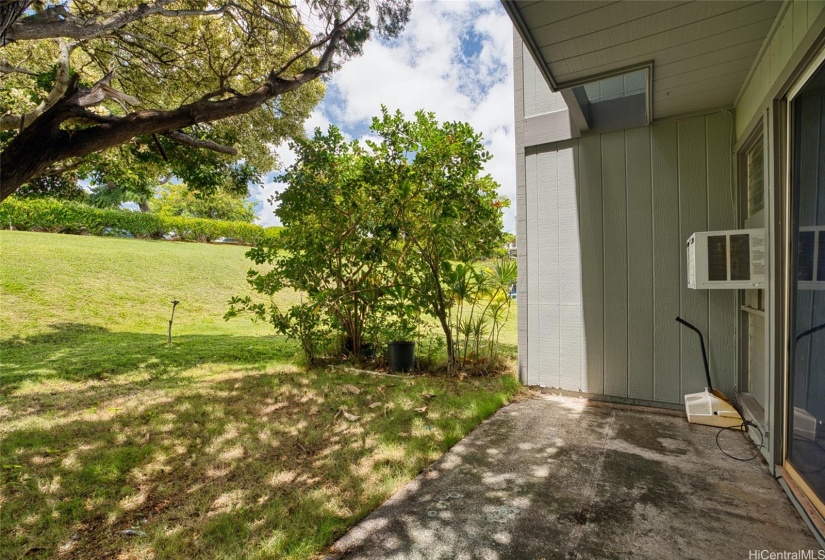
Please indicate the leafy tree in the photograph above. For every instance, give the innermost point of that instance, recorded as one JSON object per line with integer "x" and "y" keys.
{"x": 448, "y": 211}
{"x": 64, "y": 187}
{"x": 233, "y": 77}
{"x": 178, "y": 200}
{"x": 337, "y": 238}
{"x": 372, "y": 234}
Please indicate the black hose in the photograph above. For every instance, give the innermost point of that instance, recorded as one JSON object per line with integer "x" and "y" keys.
{"x": 704, "y": 352}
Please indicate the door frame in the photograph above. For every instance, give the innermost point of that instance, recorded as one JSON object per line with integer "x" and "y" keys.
{"x": 787, "y": 257}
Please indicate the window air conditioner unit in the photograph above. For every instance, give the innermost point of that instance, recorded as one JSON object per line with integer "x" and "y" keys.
{"x": 728, "y": 260}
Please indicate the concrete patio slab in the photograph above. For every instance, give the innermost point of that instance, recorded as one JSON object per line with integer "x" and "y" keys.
{"x": 560, "y": 478}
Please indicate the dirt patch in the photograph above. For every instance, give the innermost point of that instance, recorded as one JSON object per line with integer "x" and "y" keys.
{"x": 651, "y": 482}
{"x": 601, "y": 511}
{"x": 657, "y": 436}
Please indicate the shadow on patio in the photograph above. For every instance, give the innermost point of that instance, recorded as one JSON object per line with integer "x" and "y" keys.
{"x": 559, "y": 477}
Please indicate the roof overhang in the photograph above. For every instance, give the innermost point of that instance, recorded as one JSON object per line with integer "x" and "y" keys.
{"x": 697, "y": 54}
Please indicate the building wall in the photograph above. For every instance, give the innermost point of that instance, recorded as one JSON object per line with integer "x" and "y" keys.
{"x": 541, "y": 116}
{"x": 521, "y": 203}
{"x": 606, "y": 218}
{"x": 538, "y": 99}
{"x": 792, "y": 35}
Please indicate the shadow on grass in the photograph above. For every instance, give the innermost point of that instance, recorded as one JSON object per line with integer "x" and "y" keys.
{"x": 260, "y": 465}
{"x": 79, "y": 352}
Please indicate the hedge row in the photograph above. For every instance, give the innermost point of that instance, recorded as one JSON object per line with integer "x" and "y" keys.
{"x": 58, "y": 216}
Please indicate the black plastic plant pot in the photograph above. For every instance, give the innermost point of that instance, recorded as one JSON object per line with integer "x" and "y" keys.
{"x": 402, "y": 355}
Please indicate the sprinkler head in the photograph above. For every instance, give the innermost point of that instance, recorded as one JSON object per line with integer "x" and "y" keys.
{"x": 175, "y": 302}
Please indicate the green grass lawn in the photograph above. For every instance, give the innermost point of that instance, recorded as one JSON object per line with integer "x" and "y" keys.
{"x": 216, "y": 446}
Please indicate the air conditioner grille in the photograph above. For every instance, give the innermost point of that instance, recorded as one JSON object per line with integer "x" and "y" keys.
{"x": 717, "y": 258}
{"x": 740, "y": 257}
{"x": 820, "y": 262}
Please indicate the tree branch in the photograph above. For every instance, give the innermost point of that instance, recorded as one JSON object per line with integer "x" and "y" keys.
{"x": 6, "y": 68}
{"x": 57, "y": 21}
{"x": 44, "y": 142}
{"x": 60, "y": 169}
{"x": 187, "y": 140}
{"x": 61, "y": 84}
{"x": 10, "y": 12}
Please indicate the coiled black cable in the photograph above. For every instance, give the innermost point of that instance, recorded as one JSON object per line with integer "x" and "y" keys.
{"x": 743, "y": 429}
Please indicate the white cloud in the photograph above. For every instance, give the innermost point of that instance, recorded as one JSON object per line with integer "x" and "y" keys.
{"x": 453, "y": 59}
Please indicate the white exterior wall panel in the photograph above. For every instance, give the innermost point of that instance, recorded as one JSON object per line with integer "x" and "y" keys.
{"x": 607, "y": 216}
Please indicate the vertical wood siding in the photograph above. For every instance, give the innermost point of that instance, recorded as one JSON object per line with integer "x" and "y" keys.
{"x": 521, "y": 207}
{"x": 667, "y": 275}
{"x": 606, "y": 221}
{"x": 537, "y": 98}
{"x": 767, "y": 69}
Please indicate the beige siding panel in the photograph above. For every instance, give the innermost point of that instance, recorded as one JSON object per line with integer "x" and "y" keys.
{"x": 548, "y": 227}
{"x": 722, "y": 86}
{"x": 721, "y": 216}
{"x": 610, "y": 213}
{"x": 598, "y": 20}
{"x": 521, "y": 209}
{"x": 785, "y": 40}
{"x": 740, "y": 54}
{"x": 640, "y": 265}
{"x": 532, "y": 242}
{"x": 582, "y": 54}
{"x": 529, "y": 82}
{"x": 674, "y": 107}
{"x": 570, "y": 277}
{"x": 592, "y": 262}
{"x": 795, "y": 25}
{"x": 538, "y": 15}
{"x": 547, "y": 267}
{"x": 815, "y": 7}
{"x": 663, "y": 29}
{"x": 800, "y": 21}
{"x": 698, "y": 46}
{"x": 538, "y": 98}
{"x": 615, "y": 263}
{"x": 773, "y": 56}
{"x": 692, "y": 217}
{"x": 738, "y": 67}
{"x": 667, "y": 249}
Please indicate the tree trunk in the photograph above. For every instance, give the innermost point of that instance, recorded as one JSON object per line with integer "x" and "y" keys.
{"x": 144, "y": 206}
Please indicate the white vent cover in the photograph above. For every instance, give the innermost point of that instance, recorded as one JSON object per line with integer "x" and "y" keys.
{"x": 729, "y": 260}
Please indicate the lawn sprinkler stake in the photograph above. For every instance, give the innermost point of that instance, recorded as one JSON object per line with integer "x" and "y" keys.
{"x": 169, "y": 336}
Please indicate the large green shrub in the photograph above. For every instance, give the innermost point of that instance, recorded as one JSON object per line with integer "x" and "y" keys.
{"x": 59, "y": 216}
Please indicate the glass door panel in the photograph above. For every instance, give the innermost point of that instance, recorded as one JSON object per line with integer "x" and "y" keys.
{"x": 806, "y": 410}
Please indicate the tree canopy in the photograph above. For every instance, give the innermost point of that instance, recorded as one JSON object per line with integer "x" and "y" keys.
{"x": 177, "y": 200}
{"x": 231, "y": 77}
{"x": 372, "y": 231}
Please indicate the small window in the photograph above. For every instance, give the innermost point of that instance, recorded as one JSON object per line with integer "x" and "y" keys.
{"x": 755, "y": 177}
{"x": 615, "y": 102}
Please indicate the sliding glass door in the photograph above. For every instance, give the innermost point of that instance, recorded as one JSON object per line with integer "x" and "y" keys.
{"x": 806, "y": 406}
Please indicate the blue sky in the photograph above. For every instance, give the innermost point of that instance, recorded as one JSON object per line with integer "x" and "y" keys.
{"x": 454, "y": 59}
